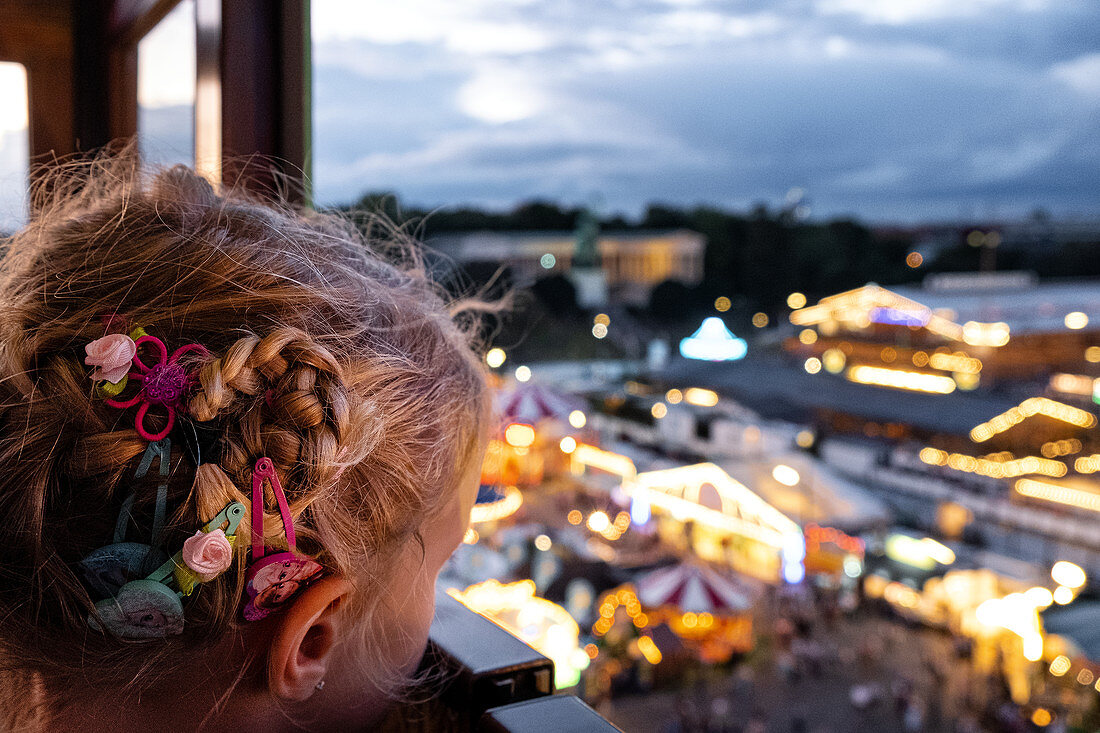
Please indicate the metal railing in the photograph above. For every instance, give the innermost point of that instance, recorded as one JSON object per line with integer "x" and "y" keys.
{"x": 487, "y": 681}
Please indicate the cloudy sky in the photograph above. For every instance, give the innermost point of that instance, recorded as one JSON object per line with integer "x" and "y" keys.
{"x": 890, "y": 110}
{"x": 887, "y": 109}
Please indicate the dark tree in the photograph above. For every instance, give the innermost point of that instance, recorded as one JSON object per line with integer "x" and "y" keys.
{"x": 557, "y": 294}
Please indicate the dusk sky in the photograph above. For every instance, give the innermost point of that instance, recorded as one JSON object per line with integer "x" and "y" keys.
{"x": 886, "y": 109}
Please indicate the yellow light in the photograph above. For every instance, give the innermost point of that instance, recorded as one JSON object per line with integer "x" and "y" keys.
{"x": 1055, "y": 448}
{"x": 471, "y": 537}
{"x": 1075, "y": 384}
{"x": 1041, "y": 717}
{"x": 966, "y": 381}
{"x": 1085, "y": 677}
{"x": 900, "y": 379}
{"x": 796, "y": 301}
{"x": 1092, "y": 354}
{"x": 985, "y": 334}
{"x": 1058, "y": 494}
{"x": 1039, "y": 597}
{"x": 1060, "y": 665}
{"x": 599, "y": 330}
{"x": 722, "y": 304}
{"x": 519, "y": 435}
{"x": 937, "y": 551}
{"x": 641, "y": 620}
{"x": 499, "y": 509}
{"x": 658, "y": 410}
{"x": 914, "y": 259}
{"x": 591, "y": 650}
{"x": 540, "y": 623}
{"x": 689, "y": 620}
{"x": 923, "y": 553}
{"x": 888, "y": 354}
{"x": 706, "y": 620}
{"x": 568, "y": 444}
{"x": 1033, "y": 647}
{"x": 1068, "y": 574}
{"x": 575, "y": 517}
{"x": 1087, "y": 464}
{"x": 674, "y": 396}
{"x": 495, "y": 357}
{"x": 523, "y": 373}
{"x": 804, "y": 439}
{"x": 834, "y": 361}
{"x": 1063, "y": 595}
{"x": 700, "y": 397}
{"x": 591, "y": 456}
{"x": 742, "y": 512}
{"x": 598, "y": 521}
{"x": 543, "y": 542}
{"x": 577, "y": 419}
{"x": 920, "y": 359}
{"x": 807, "y": 336}
{"x": 602, "y": 319}
{"x": 786, "y": 475}
{"x": 649, "y": 650}
{"x": 933, "y": 457}
{"x": 957, "y": 362}
{"x": 1076, "y": 320}
{"x": 812, "y": 365}
{"x": 1029, "y": 407}
{"x": 760, "y": 320}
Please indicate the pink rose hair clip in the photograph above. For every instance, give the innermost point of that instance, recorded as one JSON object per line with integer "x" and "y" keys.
{"x": 274, "y": 576}
{"x": 165, "y": 382}
{"x": 152, "y": 607}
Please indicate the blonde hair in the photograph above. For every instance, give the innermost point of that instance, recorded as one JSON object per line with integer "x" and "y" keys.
{"x": 332, "y": 353}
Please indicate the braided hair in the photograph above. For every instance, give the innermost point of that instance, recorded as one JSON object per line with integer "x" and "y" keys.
{"x": 343, "y": 363}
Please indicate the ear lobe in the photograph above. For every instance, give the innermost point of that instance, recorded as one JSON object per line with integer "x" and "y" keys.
{"x": 306, "y": 632}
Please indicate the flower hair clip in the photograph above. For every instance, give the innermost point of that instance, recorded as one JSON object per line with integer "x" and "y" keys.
{"x": 165, "y": 383}
{"x": 152, "y": 607}
{"x": 274, "y": 576}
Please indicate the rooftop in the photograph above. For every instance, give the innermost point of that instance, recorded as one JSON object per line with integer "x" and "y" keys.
{"x": 777, "y": 388}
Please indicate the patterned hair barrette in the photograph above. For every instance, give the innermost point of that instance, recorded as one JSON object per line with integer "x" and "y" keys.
{"x": 274, "y": 576}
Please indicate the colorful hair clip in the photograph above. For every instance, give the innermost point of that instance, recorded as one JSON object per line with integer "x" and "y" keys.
{"x": 274, "y": 576}
{"x": 112, "y": 356}
{"x": 109, "y": 568}
{"x": 164, "y": 383}
{"x": 152, "y": 607}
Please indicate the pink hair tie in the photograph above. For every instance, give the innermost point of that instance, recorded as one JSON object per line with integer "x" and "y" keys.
{"x": 165, "y": 382}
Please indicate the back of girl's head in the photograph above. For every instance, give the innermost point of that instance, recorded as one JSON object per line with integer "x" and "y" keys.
{"x": 333, "y": 355}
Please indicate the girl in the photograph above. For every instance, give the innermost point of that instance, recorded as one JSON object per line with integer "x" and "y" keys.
{"x": 204, "y": 398}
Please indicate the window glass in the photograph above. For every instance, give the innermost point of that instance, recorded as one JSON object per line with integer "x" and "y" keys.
{"x": 166, "y": 89}
{"x": 14, "y": 147}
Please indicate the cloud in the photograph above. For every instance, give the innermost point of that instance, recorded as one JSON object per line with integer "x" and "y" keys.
{"x": 13, "y": 179}
{"x": 920, "y": 109}
{"x": 1082, "y": 75}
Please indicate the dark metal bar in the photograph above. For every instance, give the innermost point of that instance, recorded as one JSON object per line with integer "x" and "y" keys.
{"x": 556, "y": 714}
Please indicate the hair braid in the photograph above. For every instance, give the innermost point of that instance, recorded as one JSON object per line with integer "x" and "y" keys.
{"x": 280, "y": 396}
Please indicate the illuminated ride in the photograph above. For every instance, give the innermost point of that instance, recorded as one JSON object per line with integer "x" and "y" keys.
{"x": 713, "y": 342}
{"x": 729, "y": 524}
{"x": 708, "y": 611}
{"x": 533, "y": 420}
{"x": 540, "y": 623}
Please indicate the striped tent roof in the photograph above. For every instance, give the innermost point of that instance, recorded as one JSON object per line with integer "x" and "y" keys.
{"x": 531, "y": 403}
{"x": 691, "y": 587}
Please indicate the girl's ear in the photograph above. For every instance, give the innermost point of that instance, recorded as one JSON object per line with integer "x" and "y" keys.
{"x": 306, "y": 632}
